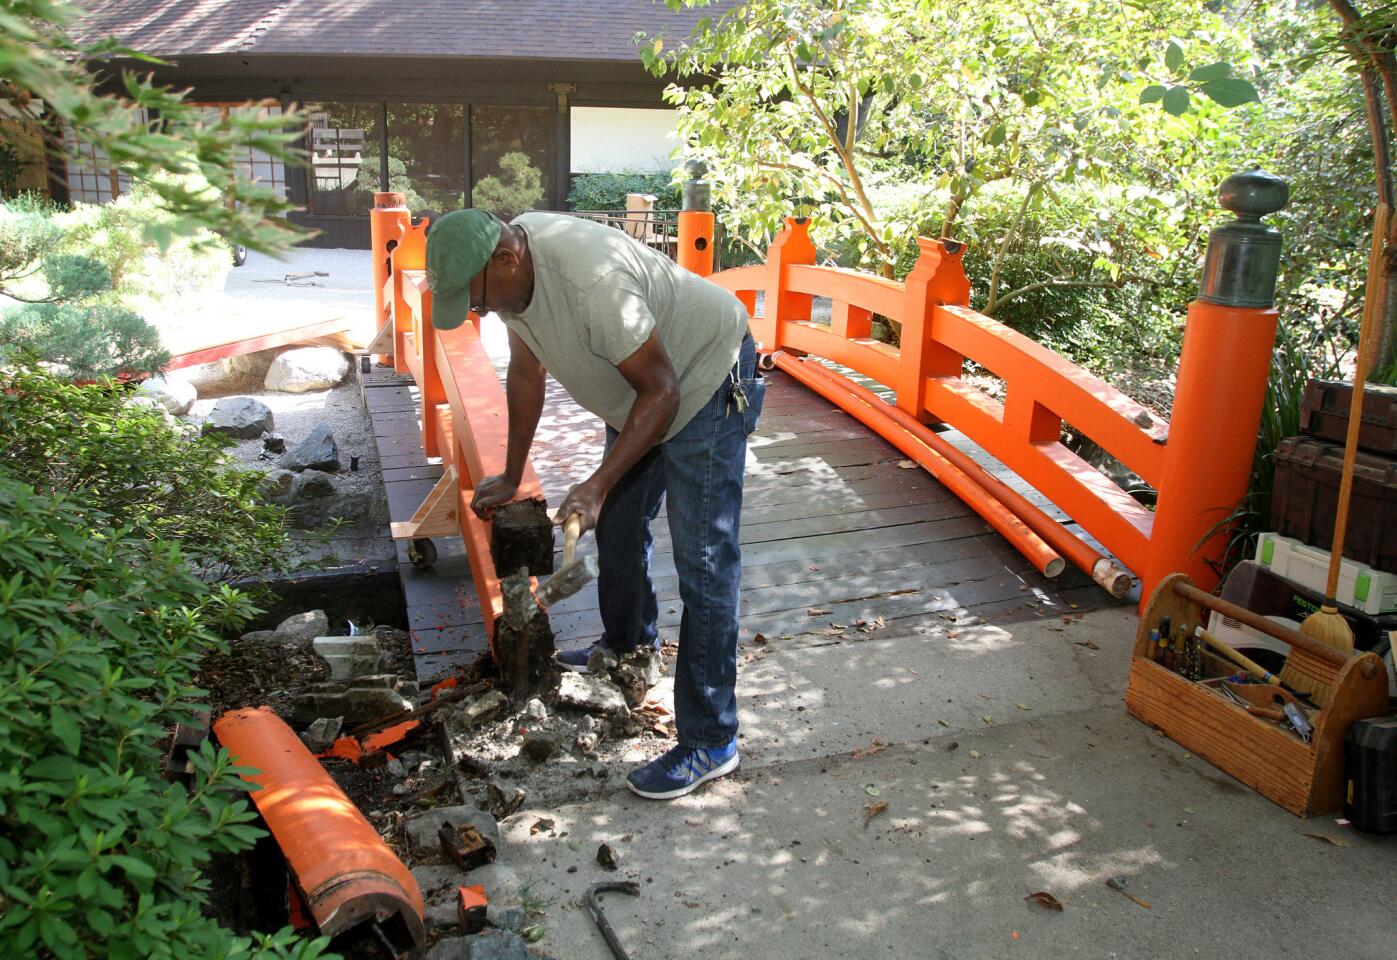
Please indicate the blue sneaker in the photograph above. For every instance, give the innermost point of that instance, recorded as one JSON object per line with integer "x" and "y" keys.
{"x": 576, "y": 660}
{"x": 682, "y": 770}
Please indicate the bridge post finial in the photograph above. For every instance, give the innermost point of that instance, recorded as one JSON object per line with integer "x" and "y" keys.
{"x": 1222, "y": 377}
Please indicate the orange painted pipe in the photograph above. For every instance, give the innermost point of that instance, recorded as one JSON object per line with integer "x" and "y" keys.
{"x": 1100, "y": 568}
{"x": 338, "y": 861}
{"x": 1030, "y": 544}
{"x": 695, "y": 241}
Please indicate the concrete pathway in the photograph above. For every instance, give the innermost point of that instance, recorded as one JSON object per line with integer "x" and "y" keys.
{"x": 1009, "y": 766}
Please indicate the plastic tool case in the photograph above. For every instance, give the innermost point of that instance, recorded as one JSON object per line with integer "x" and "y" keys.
{"x": 1307, "y": 493}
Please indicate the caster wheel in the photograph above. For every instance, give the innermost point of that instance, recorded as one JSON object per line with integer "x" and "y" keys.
{"x": 422, "y": 554}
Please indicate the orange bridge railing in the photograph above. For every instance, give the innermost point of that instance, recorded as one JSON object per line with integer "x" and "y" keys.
{"x": 1198, "y": 463}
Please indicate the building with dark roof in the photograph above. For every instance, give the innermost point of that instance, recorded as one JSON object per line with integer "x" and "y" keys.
{"x": 427, "y": 97}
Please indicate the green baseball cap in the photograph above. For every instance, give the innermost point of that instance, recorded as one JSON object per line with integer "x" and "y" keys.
{"x": 458, "y": 247}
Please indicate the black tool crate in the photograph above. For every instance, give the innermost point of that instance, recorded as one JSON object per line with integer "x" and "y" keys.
{"x": 1325, "y": 414}
{"x": 1306, "y": 496}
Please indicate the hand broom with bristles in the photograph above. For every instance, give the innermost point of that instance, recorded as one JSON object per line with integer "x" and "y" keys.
{"x": 1327, "y": 625}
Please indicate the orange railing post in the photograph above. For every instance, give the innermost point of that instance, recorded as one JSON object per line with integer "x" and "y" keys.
{"x": 695, "y": 250}
{"x": 1221, "y": 386}
{"x": 388, "y": 214}
{"x": 938, "y": 279}
{"x": 792, "y": 247}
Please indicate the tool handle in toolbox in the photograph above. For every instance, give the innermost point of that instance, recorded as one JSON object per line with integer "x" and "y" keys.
{"x": 572, "y": 529}
{"x": 1240, "y": 659}
{"x": 1257, "y": 622}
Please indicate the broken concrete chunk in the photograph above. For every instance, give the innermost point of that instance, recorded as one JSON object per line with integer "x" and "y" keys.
{"x": 304, "y": 626}
{"x": 321, "y": 734}
{"x": 587, "y": 742}
{"x": 348, "y": 657}
{"x": 423, "y": 831}
{"x": 592, "y": 694}
{"x": 479, "y": 710}
{"x": 602, "y": 661}
{"x": 355, "y": 704}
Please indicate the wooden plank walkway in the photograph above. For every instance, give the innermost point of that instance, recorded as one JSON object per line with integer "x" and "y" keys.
{"x": 831, "y": 521}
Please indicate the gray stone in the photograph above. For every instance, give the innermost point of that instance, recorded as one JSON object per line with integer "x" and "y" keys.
{"x": 396, "y": 770}
{"x": 535, "y": 710}
{"x": 276, "y": 485}
{"x": 587, "y": 742}
{"x": 451, "y": 948}
{"x": 305, "y": 369}
{"x": 318, "y": 451}
{"x": 497, "y": 945}
{"x": 592, "y": 694}
{"x": 175, "y": 396}
{"x": 442, "y": 915}
{"x": 513, "y": 919}
{"x": 273, "y": 443}
{"x": 348, "y": 657}
{"x": 540, "y": 745}
{"x": 321, "y": 734}
{"x": 242, "y": 418}
{"x": 312, "y": 486}
{"x": 304, "y": 626}
{"x": 421, "y": 830}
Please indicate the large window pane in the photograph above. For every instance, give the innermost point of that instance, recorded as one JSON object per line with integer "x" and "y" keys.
{"x": 344, "y": 155}
{"x": 511, "y": 158}
{"x": 427, "y": 154}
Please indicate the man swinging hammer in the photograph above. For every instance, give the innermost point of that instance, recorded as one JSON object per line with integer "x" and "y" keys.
{"x": 664, "y": 357}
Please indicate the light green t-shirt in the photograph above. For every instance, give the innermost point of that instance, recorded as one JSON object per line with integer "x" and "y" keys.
{"x": 598, "y": 294}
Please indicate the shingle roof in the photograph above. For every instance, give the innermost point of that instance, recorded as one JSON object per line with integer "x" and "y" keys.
{"x": 494, "y": 29}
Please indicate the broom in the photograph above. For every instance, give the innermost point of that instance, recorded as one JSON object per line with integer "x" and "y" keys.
{"x": 1326, "y": 625}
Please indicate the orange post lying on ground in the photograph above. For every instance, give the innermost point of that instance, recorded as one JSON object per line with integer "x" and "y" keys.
{"x": 346, "y": 873}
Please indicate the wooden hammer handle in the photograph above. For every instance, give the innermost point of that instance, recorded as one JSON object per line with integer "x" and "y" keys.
{"x": 572, "y": 529}
{"x": 1240, "y": 659}
{"x": 1257, "y": 622}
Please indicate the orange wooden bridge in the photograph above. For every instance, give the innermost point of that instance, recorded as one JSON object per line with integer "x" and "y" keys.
{"x": 1003, "y": 521}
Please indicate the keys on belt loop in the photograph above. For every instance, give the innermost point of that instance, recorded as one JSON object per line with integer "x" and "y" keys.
{"x": 737, "y": 397}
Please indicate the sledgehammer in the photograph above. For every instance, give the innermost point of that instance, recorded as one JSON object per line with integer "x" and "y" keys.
{"x": 574, "y": 574}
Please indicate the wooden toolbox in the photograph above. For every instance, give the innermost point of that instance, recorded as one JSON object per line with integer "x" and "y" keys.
{"x": 1305, "y": 778}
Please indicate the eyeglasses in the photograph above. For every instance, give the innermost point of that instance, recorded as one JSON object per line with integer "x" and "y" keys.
{"x": 484, "y": 289}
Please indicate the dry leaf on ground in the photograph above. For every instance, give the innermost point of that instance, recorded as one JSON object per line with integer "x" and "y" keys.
{"x": 877, "y": 746}
{"x": 818, "y": 612}
{"x": 1045, "y": 900}
{"x": 1331, "y": 838}
{"x": 871, "y": 810}
{"x": 908, "y": 464}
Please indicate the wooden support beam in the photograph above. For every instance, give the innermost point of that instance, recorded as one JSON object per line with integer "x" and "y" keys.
{"x": 436, "y": 517}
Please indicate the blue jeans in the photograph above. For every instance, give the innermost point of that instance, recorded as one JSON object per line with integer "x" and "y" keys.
{"x": 701, "y": 469}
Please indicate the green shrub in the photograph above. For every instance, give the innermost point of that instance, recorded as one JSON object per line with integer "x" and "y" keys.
{"x": 518, "y": 187}
{"x": 85, "y": 341}
{"x": 607, "y": 191}
{"x": 102, "y": 633}
{"x": 151, "y": 254}
{"x": 127, "y": 463}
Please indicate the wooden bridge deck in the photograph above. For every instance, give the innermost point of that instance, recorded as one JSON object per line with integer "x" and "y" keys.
{"x": 832, "y": 522}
